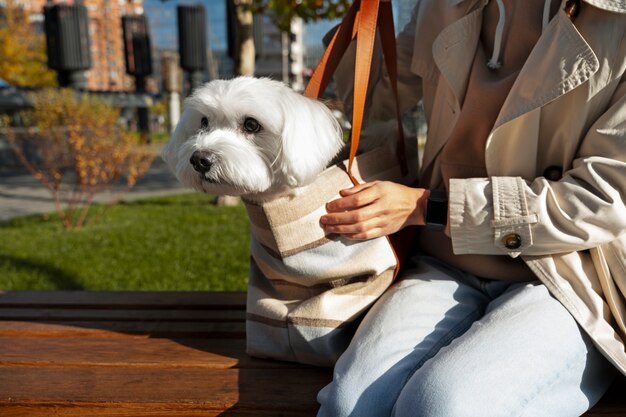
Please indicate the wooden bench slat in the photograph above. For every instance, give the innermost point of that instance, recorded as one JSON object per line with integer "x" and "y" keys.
{"x": 103, "y": 328}
{"x": 132, "y": 353}
{"x": 59, "y": 314}
{"x": 196, "y": 300}
{"x": 153, "y": 354}
{"x": 218, "y": 389}
{"x": 68, "y": 409}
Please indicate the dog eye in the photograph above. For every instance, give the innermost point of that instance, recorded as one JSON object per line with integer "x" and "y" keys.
{"x": 204, "y": 123}
{"x": 250, "y": 125}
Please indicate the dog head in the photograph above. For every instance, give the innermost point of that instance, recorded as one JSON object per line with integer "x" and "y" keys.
{"x": 251, "y": 135}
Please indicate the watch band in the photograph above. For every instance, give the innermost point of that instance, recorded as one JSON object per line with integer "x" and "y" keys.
{"x": 437, "y": 210}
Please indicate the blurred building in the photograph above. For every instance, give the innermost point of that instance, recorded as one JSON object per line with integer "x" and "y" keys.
{"x": 108, "y": 71}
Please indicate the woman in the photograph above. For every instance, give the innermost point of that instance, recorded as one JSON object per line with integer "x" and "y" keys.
{"x": 514, "y": 303}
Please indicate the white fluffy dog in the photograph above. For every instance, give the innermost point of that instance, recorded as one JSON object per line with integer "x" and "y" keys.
{"x": 258, "y": 138}
{"x": 251, "y": 136}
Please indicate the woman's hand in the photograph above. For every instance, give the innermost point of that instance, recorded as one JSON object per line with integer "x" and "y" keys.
{"x": 375, "y": 209}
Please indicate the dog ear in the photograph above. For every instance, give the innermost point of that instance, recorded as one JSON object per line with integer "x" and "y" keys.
{"x": 311, "y": 137}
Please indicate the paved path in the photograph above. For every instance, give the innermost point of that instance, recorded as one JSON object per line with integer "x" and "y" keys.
{"x": 21, "y": 194}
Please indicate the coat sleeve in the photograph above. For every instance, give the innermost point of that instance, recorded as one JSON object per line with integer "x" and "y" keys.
{"x": 380, "y": 104}
{"x": 584, "y": 209}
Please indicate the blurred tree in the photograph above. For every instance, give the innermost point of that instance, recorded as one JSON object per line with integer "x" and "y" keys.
{"x": 23, "y": 60}
{"x": 284, "y": 11}
{"x": 73, "y": 145}
{"x": 244, "y": 37}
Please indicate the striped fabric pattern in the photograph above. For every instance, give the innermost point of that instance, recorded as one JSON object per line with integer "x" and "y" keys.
{"x": 307, "y": 290}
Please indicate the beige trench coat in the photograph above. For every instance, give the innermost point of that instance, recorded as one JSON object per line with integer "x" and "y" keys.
{"x": 556, "y": 157}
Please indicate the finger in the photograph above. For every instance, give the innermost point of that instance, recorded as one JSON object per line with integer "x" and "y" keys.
{"x": 348, "y": 217}
{"x": 356, "y": 189}
{"x": 372, "y": 234}
{"x": 369, "y": 234}
{"x": 354, "y": 201}
{"x": 361, "y": 228}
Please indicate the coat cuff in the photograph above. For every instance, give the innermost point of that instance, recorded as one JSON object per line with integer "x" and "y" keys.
{"x": 490, "y": 216}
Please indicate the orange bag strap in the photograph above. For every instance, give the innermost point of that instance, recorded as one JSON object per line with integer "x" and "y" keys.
{"x": 361, "y": 21}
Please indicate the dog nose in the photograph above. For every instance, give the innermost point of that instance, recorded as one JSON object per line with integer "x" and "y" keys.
{"x": 201, "y": 161}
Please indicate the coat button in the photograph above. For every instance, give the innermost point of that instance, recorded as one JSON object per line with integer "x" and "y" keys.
{"x": 553, "y": 173}
{"x": 512, "y": 241}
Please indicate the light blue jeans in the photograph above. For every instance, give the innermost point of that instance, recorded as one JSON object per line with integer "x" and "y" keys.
{"x": 443, "y": 343}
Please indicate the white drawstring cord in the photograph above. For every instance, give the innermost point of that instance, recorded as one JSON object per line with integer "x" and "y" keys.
{"x": 494, "y": 62}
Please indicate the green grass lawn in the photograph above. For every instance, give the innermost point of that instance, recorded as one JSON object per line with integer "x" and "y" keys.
{"x": 170, "y": 243}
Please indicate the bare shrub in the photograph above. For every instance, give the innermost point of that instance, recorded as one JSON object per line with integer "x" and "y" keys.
{"x": 74, "y": 146}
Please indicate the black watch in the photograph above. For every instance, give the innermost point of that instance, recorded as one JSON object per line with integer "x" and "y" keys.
{"x": 437, "y": 210}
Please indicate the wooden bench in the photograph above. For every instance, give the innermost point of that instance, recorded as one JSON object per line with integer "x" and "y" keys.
{"x": 152, "y": 354}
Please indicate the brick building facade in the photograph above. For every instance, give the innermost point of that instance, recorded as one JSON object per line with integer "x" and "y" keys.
{"x": 108, "y": 71}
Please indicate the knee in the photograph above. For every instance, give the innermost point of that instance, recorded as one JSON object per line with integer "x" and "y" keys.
{"x": 432, "y": 393}
{"x": 333, "y": 402}
{"x": 352, "y": 398}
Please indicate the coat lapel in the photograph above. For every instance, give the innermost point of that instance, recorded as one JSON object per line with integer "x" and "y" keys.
{"x": 561, "y": 61}
{"x": 454, "y": 49}
{"x": 453, "y": 53}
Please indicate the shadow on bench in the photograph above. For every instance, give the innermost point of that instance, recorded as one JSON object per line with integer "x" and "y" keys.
{"x": 152, "y": 354}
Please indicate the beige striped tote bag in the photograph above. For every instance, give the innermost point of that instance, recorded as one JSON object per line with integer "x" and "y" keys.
{"x": 307, "y": 290}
